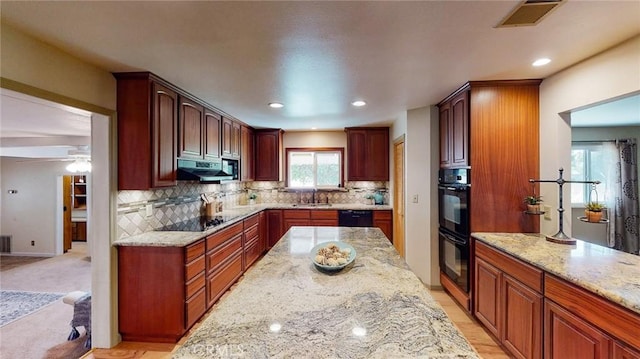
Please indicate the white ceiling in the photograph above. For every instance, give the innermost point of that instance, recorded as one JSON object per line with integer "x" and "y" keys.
{"x": 318, "y": 56}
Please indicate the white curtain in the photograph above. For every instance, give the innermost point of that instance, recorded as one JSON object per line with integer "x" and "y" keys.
{"x": 609, "y": 188}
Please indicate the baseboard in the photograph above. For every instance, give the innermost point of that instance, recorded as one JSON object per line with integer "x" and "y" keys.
{"x": 27, "y": 254}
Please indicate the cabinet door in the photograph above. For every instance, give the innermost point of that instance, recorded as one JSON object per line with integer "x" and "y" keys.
{"x": 235, "y": 139}
{"x": 227, "y": 134}
{"x": 356, "y": 155}
{"x": 521, "y": 319}
{"x": 622, "y": 352}
{"x": 460, "y": 129}
{"x": 291, "y": 222}
{"x": 274, "y": 219}
{"x": 445, "y": 135}
{"x": 191, "y": 129}
{"x": 377, "y": 155}
{"x": 384, "y": 221}
{"x": 165, "y": 112}
{"x": 487, "y": 296}
{"x": 247, "y": 154}
{"x": 566, "y": 336}
{"x": 212, "y": 125}
{"x": 268, "y": 150}
{"x": 263, "y": 241}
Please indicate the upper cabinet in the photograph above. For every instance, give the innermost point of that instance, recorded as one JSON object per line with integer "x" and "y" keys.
{"x": 147, "y": 137}
{"x": 212, "y": 125}
{"x": 191, "y": 129}
{"x": 367, "y": 153}
{"x": 230, "y": 138}
{"x": 268, "y": 160}
{"x": 454, "y": 131}
{"x": 247, "y": 153}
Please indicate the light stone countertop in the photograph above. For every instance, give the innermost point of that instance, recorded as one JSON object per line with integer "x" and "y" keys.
{"x": 231, "y": 216}
{"x": 285, "y": 308}
{"x": 613, "y": 274}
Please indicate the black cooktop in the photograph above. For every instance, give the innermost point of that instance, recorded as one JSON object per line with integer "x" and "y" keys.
{"x": 194, "y": 225}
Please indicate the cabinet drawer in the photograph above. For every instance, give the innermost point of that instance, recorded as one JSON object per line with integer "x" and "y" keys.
{"x": 251, "y": 221}
{"x": 195, "y": 308}
{"x": 252, "y": 252}
{"x": 384, "y": 215}
{"x": 251, "y": 233}
{"x": 219, "y": 255}
{"x": 525, "y": 273}
{"x": 192, "y": 269}
{"x": 323, "y": 214}
{"x": 296, "y": 213}
{"x": 195, "y": 285}
{"x": 219, "y": 238}
{"x": 324, "y": 222}
{"x": 224, "y": 277}
{"x": 194, "y": 251}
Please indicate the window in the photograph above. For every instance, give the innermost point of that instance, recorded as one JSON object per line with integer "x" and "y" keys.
{"x": 590, "y": 161}
{"x": 314, "y": 168}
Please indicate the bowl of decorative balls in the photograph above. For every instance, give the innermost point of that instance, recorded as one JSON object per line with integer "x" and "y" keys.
{"x": 332, "y": 256}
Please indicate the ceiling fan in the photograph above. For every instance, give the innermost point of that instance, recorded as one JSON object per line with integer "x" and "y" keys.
{"x": 80, "y": 159}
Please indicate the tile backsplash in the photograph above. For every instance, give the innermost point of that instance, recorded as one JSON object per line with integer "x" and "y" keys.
{"x": 183, "y": 202}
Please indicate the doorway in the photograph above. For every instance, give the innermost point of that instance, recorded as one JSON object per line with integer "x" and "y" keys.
{"x": 398, "y": 195}
{"x": 75, "y": 193}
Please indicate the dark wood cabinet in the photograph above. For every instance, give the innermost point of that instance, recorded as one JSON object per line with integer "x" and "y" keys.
{"x": 169, "y": 277}
{"x": 224, "y": 260}
{"x": 323, "y": 218}
{"x": 247, "y": 154}
{"x": 147, "y": 136}
{"x": 623, "y": 352}
{"x": 212, "y": 126}
{"x": 384, "y": 221}
{"x": 269, "y": 156}
{"x": 264, "y": 232}
{"x": 367, "y": 153}
{"x": 230, "y": 138}
{"x": 508, "y": 302}
{"x": 191, "y": 129}
{"x": 567, "y": 336}
{"x": 251, "y": 240}
{"x": 295, "y": 217}
{"x": 274, "y": 224}
{"x": 454, "y": 131}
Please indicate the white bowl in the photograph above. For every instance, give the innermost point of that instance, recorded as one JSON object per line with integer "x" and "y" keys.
{"x": 323, "y": 267}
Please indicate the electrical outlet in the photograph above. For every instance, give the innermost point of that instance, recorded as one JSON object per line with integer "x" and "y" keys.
{"x": 149, "y": 210}
{"x": 33, "y": 243}
{"x": 415, "y": 198}
{"x": 547, "y": 211}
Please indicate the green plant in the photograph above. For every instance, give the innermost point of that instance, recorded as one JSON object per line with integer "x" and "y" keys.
{"x": 253, "y": 196}
{"x": 594, "y": 207}
{"x": 533, "y": 200}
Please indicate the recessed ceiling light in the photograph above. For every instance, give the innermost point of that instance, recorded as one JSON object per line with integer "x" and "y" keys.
{"x": 358, "y": 103}
{"x": 276, "y": 105}
{"x": 541, "y": 62}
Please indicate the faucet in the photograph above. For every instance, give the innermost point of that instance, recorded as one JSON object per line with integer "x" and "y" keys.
{"x": 314, "y": 196}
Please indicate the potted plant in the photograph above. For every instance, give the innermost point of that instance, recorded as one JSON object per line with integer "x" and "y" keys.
{"x": 593, "y": 211}
{"x": 533, "y": 203}
{"x": 252, "y": 198}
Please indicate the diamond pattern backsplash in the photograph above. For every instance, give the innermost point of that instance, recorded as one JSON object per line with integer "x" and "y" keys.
{"x": 183, "y": 202}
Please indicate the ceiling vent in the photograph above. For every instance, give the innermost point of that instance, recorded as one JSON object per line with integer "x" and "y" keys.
{"x": 530, "y": 12}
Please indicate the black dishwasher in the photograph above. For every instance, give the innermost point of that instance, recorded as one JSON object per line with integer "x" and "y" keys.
{"x": 355, "y": 218}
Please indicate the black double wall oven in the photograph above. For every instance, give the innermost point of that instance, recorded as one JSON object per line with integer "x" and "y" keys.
{"x": 454, "y": 188}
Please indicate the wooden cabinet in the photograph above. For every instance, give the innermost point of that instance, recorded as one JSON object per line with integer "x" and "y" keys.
{"x": 147, "y": 119}
{"x": 252, "y": 246}
{"x": 274, "y": 226}
{"x": 161, "y": 291}
{"x": 79, "y": 192}
{"x": 269, "y": 156}
{"x": 264, "y": 232}
{"x": 247, "y": 154}
{"x": 623, "y": 352}
{"x": 323, "y": 218}
{"x": 508, "y": 301}
{"x": 212, "y": 126}
{"x": 230, "y": 138}
{"x": 367, "y": 153}
{"x": 454, "y": 131}
{"x": 224, "y": 260}
{"x": 384, "y": 221}
{"x": 569, "y": 337}
{"x": 190, "y": 129}
{"x": 295, "y": 217}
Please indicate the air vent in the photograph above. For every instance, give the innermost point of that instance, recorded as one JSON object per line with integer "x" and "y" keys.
{"x": 530, "y": 12}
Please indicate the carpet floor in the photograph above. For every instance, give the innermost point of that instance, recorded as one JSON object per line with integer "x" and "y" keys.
{"x": 43, "y": 333}
{"x": 16, "y": 304}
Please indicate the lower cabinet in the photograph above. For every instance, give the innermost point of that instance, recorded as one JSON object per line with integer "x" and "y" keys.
{"x": 510, "y": 309}
{"x": 274, "y": 227}
{"x": 384, "y": 220}
{"x": 224, "y": 260}
{"x": 251, "y": 239}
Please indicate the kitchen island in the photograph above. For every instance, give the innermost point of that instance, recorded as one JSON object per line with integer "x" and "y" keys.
{"x": 286, "y": 308}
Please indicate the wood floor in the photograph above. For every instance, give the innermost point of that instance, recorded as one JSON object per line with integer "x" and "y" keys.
{"x": 475, "y": 334}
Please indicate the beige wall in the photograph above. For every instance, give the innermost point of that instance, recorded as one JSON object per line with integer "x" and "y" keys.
{"x": 611, "y": 74}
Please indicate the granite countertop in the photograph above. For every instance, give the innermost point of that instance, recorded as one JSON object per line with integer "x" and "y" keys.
{"x": 285, "y": 308}
{"x": 613, "y": 274}
{"x": 231, "y": 216}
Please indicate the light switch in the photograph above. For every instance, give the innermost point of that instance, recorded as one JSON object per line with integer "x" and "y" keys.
{"x": 547, "y": 211}
{"x": 415, "y": 198}
{"x": 149, "y": 210}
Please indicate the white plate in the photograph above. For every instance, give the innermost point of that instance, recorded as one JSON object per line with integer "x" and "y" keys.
{"x": 341, "y": 245}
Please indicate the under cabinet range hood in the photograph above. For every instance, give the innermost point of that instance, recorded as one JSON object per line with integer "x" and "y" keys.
{"x": 210, "y": 171}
